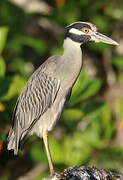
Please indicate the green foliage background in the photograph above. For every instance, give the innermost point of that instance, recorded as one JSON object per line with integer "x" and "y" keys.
{"x": 90, "y": 131}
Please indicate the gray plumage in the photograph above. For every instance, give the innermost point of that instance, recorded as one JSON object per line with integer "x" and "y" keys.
{"x": 42, "y": 100}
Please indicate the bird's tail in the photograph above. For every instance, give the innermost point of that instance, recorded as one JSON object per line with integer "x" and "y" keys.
{"x": 13, "y": 143}
{"x": 16, "y": 139}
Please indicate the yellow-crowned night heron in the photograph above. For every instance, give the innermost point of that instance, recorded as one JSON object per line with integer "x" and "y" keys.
{"x": 42, "y": 100}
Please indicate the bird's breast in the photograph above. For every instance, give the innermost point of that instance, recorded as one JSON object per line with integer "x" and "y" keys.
{"x": 70, "y": 70}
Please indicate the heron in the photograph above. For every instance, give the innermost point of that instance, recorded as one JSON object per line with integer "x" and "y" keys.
{"x": 45, "y": 94}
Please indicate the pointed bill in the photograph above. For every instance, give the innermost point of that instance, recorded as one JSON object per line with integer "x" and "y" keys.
{"x": 98, "y": 37}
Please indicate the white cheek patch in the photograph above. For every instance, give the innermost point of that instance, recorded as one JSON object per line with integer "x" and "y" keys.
{"x": 76, "y": 31}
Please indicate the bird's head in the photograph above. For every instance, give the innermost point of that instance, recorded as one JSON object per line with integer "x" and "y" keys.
{"x": 83, "y": 32}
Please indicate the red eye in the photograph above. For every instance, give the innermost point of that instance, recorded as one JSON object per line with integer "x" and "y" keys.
{"x": 85, "y": 30}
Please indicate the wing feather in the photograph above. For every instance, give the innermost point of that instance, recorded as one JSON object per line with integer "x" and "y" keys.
{"x": 37, "y": 97}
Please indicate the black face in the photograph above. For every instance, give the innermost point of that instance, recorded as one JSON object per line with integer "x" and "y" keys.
{"x": 76, "y": 37}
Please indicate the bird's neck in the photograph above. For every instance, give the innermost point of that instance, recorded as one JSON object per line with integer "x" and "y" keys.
{"x": 71, "y": 48}
{"x": 72, "y": 60}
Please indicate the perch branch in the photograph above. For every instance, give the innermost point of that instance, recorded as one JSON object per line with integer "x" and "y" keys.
{"x": 86, "y": 173}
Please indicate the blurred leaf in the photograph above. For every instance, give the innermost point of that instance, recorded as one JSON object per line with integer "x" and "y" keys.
{"x": 107, "y": 126}
{"x": 119, "y": 109}
{"x": 67, "y": 10}
{"x": 4, "y": 86}
{"x": 91, "y": 87}
{"x": 2, "y": 67}
{"x": 72, "y": 114}
{"x": 101, "y": 22}
{"x": 78, "y": 87}
{"x": 91, "y": 137}
{"x": 2, "y": 137}
{"x": 90, "y": 107}
{"x": 38, "y": 45}
{"x": 99, "y": 47}
{"x": 108, "y": 158}
{"x": 118, "y": 61}
{"x": 84, "y": 88}
{"x": 24, "y": 68}
{"x": 17, "y": 43}
{"x": 3, "y": 37}
{"x": 57, "y": 51}
{"x": 100, "y": 128}
{"x": 75, "y": 151}
{"x": 37, "y": 153}
{"x": 16, "y": 85}
{"x": 56, "y": 149}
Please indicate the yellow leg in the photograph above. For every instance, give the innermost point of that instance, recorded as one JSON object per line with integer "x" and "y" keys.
{"x": 45, "y": 139}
